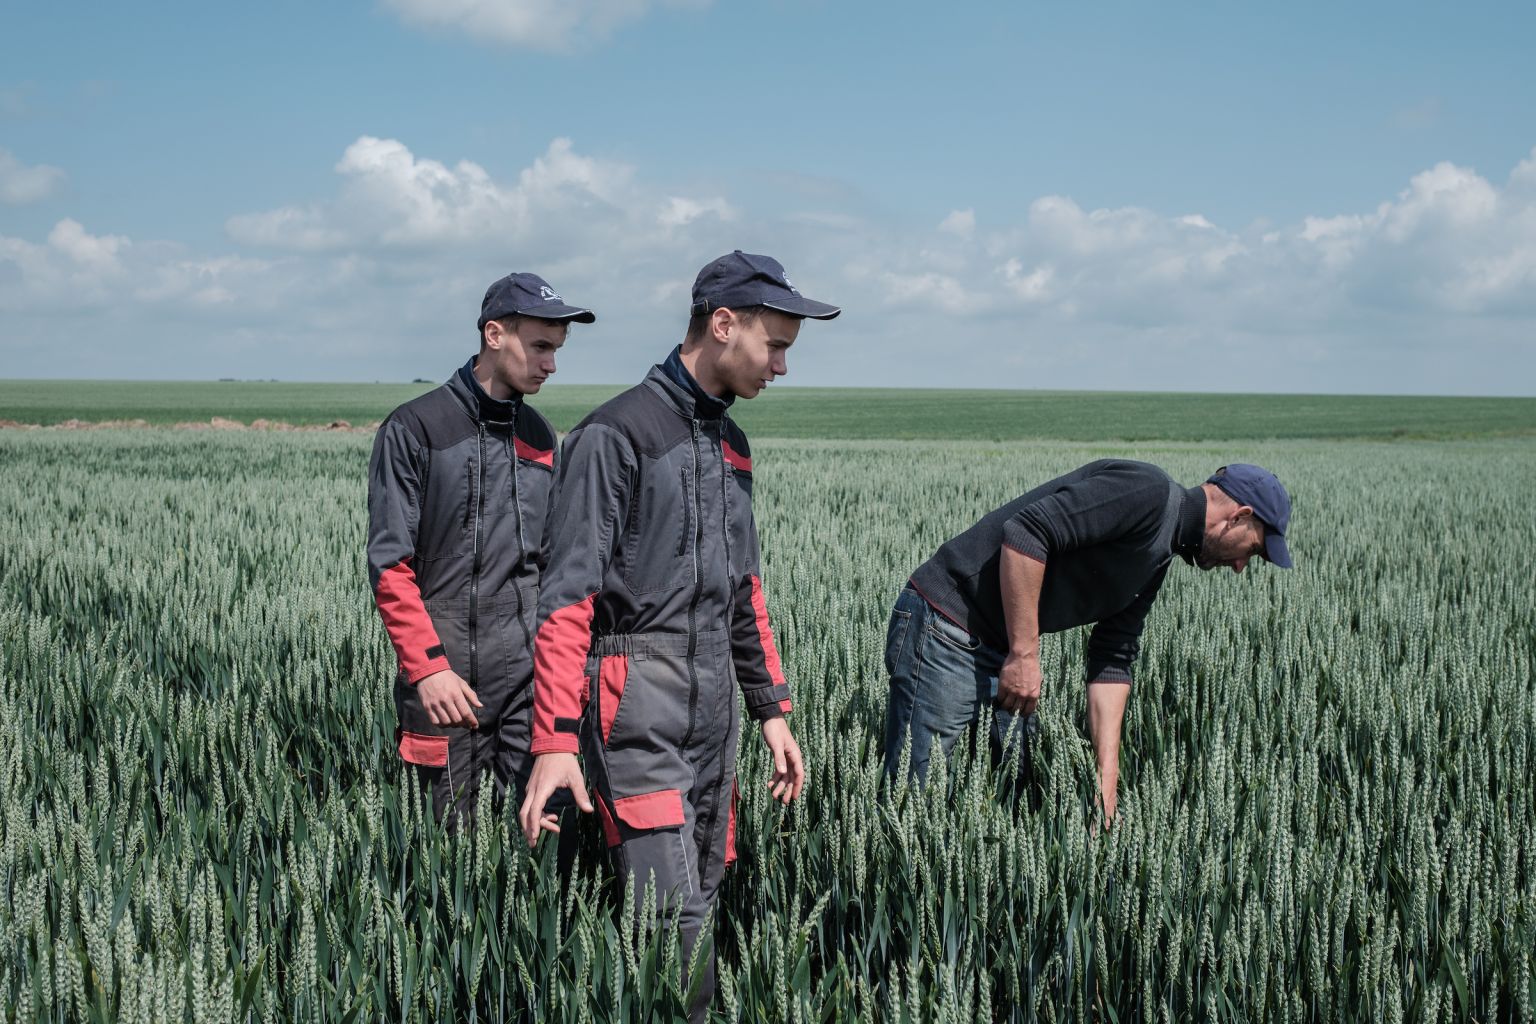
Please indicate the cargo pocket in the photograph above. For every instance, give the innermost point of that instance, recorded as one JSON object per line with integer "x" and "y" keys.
{"x": 647, "y": 812}
{"x": 427, "y": 751}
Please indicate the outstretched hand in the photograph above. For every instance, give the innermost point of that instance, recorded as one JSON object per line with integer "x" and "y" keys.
{"x": 550, "y": 772}
{"x": 788, "y": 764}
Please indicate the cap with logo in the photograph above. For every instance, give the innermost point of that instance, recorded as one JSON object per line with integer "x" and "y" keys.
{"x": 1261, "y": 491}
{"x": 742, "y": 279}
{"x": 528, "y": 295}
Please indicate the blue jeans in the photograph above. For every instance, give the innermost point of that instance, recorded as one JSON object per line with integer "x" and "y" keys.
{"x": 943, "y": 681}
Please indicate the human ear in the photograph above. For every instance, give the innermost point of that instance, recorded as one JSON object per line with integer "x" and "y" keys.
{"x": 720, "y": 323}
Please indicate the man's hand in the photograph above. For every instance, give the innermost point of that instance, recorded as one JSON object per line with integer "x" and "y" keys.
{"x": 551, "y": 772}
{"x": 448, "y": 699}
{"x": 1018, "y": 683}
{"x": 788, "y": 766}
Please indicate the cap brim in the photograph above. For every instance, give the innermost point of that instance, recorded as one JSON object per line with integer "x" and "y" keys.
{"x": 560, "y": 311}
{"x": 1276, "y": 551}
{"x": 798, "y": 305}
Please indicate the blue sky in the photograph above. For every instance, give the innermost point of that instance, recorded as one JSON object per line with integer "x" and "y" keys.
{"x": 1314, "y": 198}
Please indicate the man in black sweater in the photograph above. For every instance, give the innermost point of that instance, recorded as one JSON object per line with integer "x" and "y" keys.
{"x": 1090, "y": 546}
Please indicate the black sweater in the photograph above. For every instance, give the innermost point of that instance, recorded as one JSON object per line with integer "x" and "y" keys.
{"x": 1106, "y": 533}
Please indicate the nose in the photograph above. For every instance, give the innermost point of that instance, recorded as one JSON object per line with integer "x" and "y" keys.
{"x": 780, "y": 365}
{"x": 1240, "y": 565}
{"x": 549, "y": 366}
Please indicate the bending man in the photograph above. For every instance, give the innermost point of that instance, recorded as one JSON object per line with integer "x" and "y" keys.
{"x": 1092, "y": 546}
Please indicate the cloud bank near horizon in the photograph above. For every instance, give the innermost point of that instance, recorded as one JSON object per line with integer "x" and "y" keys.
{"x": 1432, "y": 290}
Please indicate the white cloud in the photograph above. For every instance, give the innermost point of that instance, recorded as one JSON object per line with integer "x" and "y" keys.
{"x": 680, "y": 211}
{"x": 959, "y": 222}
{"x": 390, "y": 197}
{"x": 554, "y": 25}
{"x": 24, "y": 183}
{"x": 1432, "y": 289}
{"x": 91, "y": 252}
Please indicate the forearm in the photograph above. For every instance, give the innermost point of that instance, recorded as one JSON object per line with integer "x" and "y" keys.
{"x": 1106, "y": 714}
{"x": 1021, "y": 579}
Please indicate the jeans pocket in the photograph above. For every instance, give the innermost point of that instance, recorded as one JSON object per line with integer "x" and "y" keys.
{"x": 895, "y": 636}
{"x": 952, "y": 635}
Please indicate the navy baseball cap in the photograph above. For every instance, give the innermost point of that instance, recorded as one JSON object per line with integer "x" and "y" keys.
{"x": 742, "y": 279}
{"x": 1260, "y": 490}
{"x": 528, "y": 295}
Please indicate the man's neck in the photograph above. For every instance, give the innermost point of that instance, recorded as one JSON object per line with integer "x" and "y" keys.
{"x": 488, "y": 382}
{"x": 703, "y": 371}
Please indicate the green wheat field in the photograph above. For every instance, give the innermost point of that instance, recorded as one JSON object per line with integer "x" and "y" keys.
{"x": 1326, "y": 800}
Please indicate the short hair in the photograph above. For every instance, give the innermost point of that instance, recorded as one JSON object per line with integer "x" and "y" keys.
{"x": 508, "y": 323}
{"x": 511, "y": 320}
{"x": 698, "y": 323}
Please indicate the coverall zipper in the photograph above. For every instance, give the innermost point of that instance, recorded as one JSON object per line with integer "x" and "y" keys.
{"x": 698, "y": 591}
{"x": 725, "y": 531}
{"x": 474, "y": 572}
{"x": 517, "y": 505}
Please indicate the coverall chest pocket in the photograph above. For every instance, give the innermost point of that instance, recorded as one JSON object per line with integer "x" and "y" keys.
{"x": 446, "y": 504}
{"x": 738, "y": 511}
{"x": 661, "y": 536}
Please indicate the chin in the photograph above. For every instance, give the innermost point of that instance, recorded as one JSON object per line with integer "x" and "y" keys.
{"x": 532, "y": 387}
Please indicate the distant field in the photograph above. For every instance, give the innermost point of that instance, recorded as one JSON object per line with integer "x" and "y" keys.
{"x": 866, "y": 413}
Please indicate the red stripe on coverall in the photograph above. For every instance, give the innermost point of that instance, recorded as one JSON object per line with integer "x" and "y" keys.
{"x": 527, "y": 451}
{"x": 612, "y": 673}
{"x": 740, "y": 462}
{"x": 730, "y": 826}
{"x": 765, "y": 637}
{"x": 406, "y": 621}
{"x": 559, "y": 675}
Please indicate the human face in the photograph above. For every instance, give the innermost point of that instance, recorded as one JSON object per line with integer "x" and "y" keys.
{"x": 756, "y": 353}
{"x": 523, "y": 358}
{"x": 1233, "y": 542}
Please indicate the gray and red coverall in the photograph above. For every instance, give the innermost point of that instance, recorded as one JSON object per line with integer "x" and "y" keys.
{"x": 458, "y": 492}
{"x": 650, "y": 617}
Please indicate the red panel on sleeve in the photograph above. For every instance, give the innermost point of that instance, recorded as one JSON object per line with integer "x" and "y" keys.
{"x": 740, "y": 462}
{"x": 612, "y": 674}
{"x": 559, "y": 675}
{"x": 661, "y": 809}
{"x": 406, "y": 621}
{"x": 765, "y": 634}
{"x": 527, "y": 451}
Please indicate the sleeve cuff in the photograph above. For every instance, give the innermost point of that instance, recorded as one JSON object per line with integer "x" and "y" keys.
{"x": 559, "y": 744}
{"x": 768, "y": 702}
{"x": 1112, "y": 675}
{"x": 436, "y": 665}
{"x": 1017, "y": 537}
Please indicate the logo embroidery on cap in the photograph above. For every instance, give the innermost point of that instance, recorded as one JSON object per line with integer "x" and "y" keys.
{"x": 548, "y": 294}
{"x": 790, "y": 284}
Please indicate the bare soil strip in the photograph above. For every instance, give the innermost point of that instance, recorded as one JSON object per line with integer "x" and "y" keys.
{"x": 216, "y": 423}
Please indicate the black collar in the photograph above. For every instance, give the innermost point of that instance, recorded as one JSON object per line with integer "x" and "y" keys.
{"x": 1190, "y": 531}
{"x": 479, "y": 404}
{"x": 705, "y": 405}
